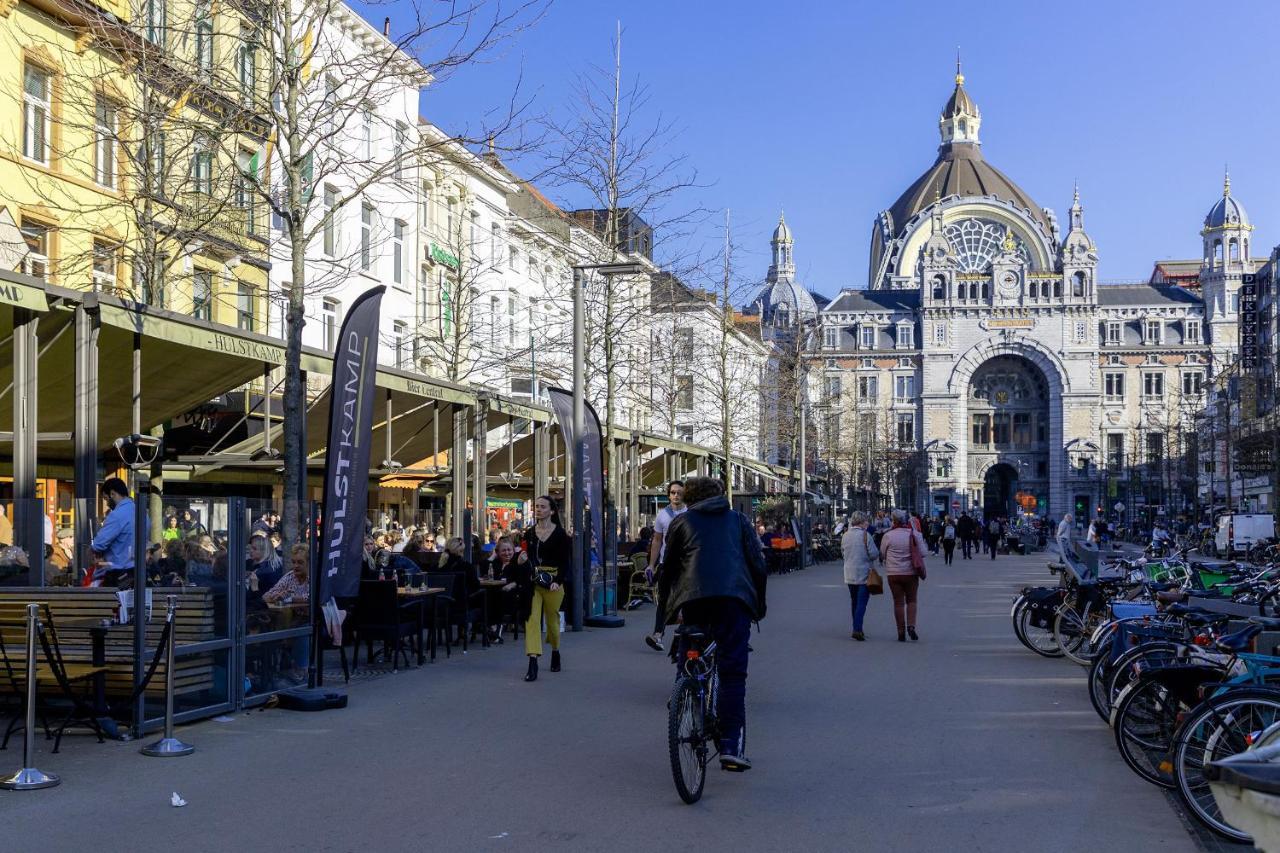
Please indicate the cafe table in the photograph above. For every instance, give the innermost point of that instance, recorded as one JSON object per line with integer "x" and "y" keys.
{"x": 99, "y": 628}
{"x": 420, "y": 596}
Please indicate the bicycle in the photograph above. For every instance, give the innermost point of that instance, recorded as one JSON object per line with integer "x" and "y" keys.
{"x": 693, "y": 730}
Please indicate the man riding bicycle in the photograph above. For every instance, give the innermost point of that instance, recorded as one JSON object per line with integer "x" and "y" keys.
{"x": 713, "y": 575}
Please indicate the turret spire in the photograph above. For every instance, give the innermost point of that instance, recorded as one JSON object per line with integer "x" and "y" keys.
{"x": 1226, "y": 182}
{"x": 959, "y": 73}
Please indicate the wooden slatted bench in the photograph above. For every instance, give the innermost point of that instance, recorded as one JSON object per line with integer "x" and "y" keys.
{"x": 193, "y": 623}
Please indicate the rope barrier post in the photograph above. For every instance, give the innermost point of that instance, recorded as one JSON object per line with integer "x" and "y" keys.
{"x": 168, "y": 746}
{"x": 29, "y": 778}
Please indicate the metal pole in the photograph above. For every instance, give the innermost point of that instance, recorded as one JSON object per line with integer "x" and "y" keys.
{"x": 86, "y": 427}
{"x": 169, "y": 746}
{"x": 579, "y": 452}
{"x": 804, "y": 479}
{"x": 29, "y": 778}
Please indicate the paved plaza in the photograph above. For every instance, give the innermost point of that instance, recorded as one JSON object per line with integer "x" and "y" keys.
{"x": 964, "y": 741}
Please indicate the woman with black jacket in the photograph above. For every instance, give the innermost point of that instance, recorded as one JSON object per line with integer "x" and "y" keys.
{"x": 543, "y": 577}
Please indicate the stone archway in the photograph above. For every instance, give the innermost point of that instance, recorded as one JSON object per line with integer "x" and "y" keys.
{"x": 1010, "y": 393}
{"x": 999, "y": 487}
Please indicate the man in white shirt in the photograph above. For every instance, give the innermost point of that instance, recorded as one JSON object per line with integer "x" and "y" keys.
{"x": 658, "y": 549}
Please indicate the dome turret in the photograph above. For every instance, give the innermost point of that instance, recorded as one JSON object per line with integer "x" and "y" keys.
{"x": 1228, "y": 212}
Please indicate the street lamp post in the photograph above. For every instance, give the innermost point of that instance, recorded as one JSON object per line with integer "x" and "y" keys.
{"x": 581, "y": 538}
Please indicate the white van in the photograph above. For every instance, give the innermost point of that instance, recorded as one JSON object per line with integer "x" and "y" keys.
{"x": 1237, "y": 532}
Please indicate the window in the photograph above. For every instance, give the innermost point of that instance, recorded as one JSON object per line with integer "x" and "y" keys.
{"x": 36, "y": 98}
{"x": 494, "y": 308}
{"x": 939, "y": 287}
{"x": 400, "y": 342}
{"x": 1235, "y": 303}
{"x": 1152, "y": 384}
{"x": 1082, "y": 331}
{"x": 830, "y": 335}
{"x": 204, "y": 38}
{"x": 155, "y": 162}
{"x": 904, "y": 388}
{"x": 202, "y": 167}
{"x": 867, "y": 387}
{"x": 1155, "y": 448}
{"x": 1000, "y": 429}
{"x": 202, "y": 295}
{"x": 329, "y": 309}
{"x": 682, "y": 345}
{"x": 513, "y": 258}
{"x": 1113, "y": 332}
{"x": 684, "y": 433}
{"x": 36, "y": 262}
{"x": 981, "y": 430}
{"x": 247, "y": 64}
{"x": 155, "y": 20}
{"x": 330, "y": 229}
{"x": 401, "y": 146}
{"x": 512, "y": 311}
{"x": 366, "y": 237}
{"x": 495, "y": 244}
{"x": 868, "y": 336}
{"x": 397, "y": 252}
{"x": 366, "y": 133}
{"x": 940, "y": 333}
{"x": 1192, "y": 383}
{"x": 244, "y": 306}
{"x": 104, "y": 266}
{"x": 1151, "y": 331}
{"x": 906, "y": 424}
{"x": 1115, "y": 451}
{"x": 906, "y": 338}
{"x": 426, "y": 217}
{"x": 329, "y": 115}
{"x": 245, "y": 162}
{"x": 149, "y": 288}
{"x": 1021, "y": 429}
{"x": 1192, "y": 335}
{"x": 1077, "y": 285}
{"x": 684, "y": 393}
{"x": 832, "y": 387}
{"x": 1113, "y": 386}
{"x": 104, "y": 146}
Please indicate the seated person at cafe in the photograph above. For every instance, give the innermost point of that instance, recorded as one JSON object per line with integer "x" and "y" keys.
{"x": 454, "y": 561}
{"x": 199, "y": 554}
{"x": 263, "y": 570}
{"x": 502, "y": 566}
{"x": 294, "y": 586}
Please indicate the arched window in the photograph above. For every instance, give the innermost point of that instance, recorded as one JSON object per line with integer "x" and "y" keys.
{"x": 939, "y": 287}
{"x": 1235, "y": 249}
{"x": 1077, "y": 284}
{"x": 973, "y": 289}
{"x": 983, "y": 290}
{"x": 964, "y": 127}
{"x": 1217, "y": 250}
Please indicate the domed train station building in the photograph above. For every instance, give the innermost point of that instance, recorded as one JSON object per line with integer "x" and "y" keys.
{"x": 985, "y": 367}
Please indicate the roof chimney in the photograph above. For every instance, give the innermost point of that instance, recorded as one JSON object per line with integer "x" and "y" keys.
{"x": 386, "y": 26}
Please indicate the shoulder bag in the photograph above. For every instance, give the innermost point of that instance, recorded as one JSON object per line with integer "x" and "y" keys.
{"x": 875, "y": 583}
{"x": 917, "y": 559}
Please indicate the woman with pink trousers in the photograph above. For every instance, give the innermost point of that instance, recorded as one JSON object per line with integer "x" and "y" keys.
{"x": 904, "y": 583}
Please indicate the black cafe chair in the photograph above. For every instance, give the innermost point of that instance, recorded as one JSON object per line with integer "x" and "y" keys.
{"x": 381, "y": 616}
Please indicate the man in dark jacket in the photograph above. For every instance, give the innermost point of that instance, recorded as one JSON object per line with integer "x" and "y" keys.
{"x": 967, "y": 530}
{"x": 713, "y": 574}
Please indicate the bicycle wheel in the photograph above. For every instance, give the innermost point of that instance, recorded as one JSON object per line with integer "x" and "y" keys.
{"x": 1039, "y": 640}
{"x": 1072, "y": 632}
{"x": 1144, "y": 721}
{"x": 1126, "y": 668}
{"x": 1215, "y": 729}
{"x": 1015, "y": 614}
{"x": 686, "y": 740}
{"x": 1099, "y": 678}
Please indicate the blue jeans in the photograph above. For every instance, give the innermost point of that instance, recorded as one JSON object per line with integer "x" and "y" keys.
{"x": 858, "y": 598}
{"x": 729, "y": 622}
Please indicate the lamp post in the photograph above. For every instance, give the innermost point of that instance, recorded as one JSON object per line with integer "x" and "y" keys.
{"x": 581, "y": 539}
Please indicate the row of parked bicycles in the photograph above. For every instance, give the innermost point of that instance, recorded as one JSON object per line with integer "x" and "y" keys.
{"x": 1182, "y": 665}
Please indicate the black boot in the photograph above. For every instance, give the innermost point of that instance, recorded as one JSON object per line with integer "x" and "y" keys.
{"x": 555, "y": 660}
{"x": 532, "y": 674}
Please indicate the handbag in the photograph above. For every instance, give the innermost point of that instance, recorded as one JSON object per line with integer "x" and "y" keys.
{"x": 875, "y": 583}
{"x": 543, "y": 579}
{"x": 917, "y": 559}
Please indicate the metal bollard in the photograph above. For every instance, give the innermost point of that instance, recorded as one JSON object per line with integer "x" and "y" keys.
{"x": 168, "y": 746}
{"x": 29, "y": 778}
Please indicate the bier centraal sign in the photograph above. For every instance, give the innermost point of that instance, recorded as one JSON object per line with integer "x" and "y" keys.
{"x": 1249, "y": 322}
{"x": 346, "y": 468}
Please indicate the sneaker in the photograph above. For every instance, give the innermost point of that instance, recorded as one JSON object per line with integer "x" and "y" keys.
{"x": 732, "y": 757}
{"x": 858, "y": 635}
{"x": 654, "y": 641}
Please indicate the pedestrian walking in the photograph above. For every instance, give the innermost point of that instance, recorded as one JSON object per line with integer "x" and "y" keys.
{"x": 993, "y": 535}
{"x": 1066, "y": 536}
{"x": 967, "y": 529}
{"x": 935, "y": 533}
{"x": 658, "y": 548}
{"x": 902, "y": 556}
{"x": 860, "y": 552}
{"x": 948, "y": 541}
{"x": 545, "y": 561}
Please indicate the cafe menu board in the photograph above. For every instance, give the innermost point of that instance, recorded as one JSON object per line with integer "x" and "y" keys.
{"x": 1249, "y": 322}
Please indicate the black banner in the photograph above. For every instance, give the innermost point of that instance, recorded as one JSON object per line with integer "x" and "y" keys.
{"x": 592, "y": 465}
{"x": 346, "y": 467}
{"x": 1249, "y": 322}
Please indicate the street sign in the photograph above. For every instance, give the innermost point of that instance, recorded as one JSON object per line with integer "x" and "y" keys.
{"x": 1119, "y": 507}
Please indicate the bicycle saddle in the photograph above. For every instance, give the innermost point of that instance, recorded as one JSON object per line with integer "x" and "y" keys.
{"x": 1238, "y": 641}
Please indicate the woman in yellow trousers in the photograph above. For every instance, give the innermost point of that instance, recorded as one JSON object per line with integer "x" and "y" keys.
{"x": 546, "y": 563}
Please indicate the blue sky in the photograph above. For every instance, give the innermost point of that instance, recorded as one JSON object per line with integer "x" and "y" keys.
{"x": 830, "y": 110}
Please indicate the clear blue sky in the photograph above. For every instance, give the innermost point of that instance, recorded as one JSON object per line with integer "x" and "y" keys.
{"x": 830, "y": 110}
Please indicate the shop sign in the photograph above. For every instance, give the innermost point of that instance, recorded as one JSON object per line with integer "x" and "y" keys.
{"x": 1009, "y": 323}
{"x": 23, "y": 296}
{"x": 256, "y": 350}
{"x": 440, "y": 256}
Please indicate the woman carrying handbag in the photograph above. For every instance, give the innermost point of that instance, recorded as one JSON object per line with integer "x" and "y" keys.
{"x": 902, "y": 555}
{"x": 860, "y": 552}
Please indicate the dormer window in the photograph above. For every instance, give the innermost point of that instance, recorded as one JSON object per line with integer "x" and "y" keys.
{"x": 1153, "y": 332}
{"x": 868, "y": 333}
{"x": 1191, "y": 333}
{"x": 1113, "y": 332}
{"x": 905, "y": 336}
{"x": 830, "y": 336}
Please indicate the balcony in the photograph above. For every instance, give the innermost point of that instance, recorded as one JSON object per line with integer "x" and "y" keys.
{"x": 221, "y": 218}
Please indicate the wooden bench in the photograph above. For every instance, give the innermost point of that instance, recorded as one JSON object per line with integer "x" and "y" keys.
{"x": 67, "y": 607}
